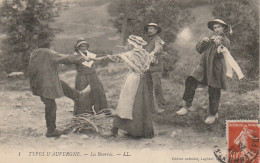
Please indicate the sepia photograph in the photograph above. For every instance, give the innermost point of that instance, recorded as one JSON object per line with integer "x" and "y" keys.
{"x": 129, "y": 81}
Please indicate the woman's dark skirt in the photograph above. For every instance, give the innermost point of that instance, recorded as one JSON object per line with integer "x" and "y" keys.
{"x": 97, "y": 97}
{"x": 141, "y": 125}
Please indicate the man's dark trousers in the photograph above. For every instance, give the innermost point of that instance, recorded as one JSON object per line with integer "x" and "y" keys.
{"x": 214, "y": 95}
{"x": 51, "y": 107}
{"x": 157, "y": 87}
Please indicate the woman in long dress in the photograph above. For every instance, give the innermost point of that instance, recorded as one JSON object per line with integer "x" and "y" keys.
{"x": 133, "y": 113}
{"x": 86, "y": 75}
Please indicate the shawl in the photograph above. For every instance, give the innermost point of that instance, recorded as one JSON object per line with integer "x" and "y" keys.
{"x": 138, "y": 60}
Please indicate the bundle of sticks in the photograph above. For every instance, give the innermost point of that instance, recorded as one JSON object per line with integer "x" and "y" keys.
{"x": 100, "y": 122}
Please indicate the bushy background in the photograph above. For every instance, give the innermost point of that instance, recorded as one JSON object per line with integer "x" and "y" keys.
{"x": 25, "y": 24}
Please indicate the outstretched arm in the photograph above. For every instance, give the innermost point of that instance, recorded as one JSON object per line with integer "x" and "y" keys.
{"x": 67, "y": 58}
{"x": 113, "y": 58}
{"x": 101, "y": 58}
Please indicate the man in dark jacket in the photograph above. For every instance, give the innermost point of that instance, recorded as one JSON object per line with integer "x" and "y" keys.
{"x": 155, "y": 47}
{"x": 210, "y": 71}
{"x": 45, "y": 82}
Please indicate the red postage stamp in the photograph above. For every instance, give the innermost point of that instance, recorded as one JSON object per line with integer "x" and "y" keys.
{"x": 243, "y": 141}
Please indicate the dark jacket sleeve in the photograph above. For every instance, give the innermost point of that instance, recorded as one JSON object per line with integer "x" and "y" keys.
{"x": 227, "y": 44}
{"x": 67, "y": 59}
{"x": 202, "y": 46}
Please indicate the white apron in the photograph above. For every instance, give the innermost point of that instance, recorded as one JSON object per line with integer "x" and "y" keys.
{"x": 127, "y": 96}
{"x": 138, "y": 60}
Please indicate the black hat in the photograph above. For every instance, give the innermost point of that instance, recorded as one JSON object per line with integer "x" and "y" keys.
{"x": 217, "y": 21}
{"x": 153, "y": 25}
{"x": 81, "y": 41}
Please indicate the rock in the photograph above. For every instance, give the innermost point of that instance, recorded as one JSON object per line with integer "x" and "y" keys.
{"x": 173, "y": 134}
{"x": 162, "y": 133}
{"x": 28, "y": 93}
{"x": 64, "y": 137}
{"x": 84, "y": 137}
{"x": 18, "y": 105}
{"x": 15, "y": 75}
{"x": 24, "y": 97}
{"x": 21, "y": 97}
{"x": 200, "y": 89}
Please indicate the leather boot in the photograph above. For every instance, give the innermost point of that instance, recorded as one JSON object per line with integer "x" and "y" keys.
{"x": 54, "y": 133}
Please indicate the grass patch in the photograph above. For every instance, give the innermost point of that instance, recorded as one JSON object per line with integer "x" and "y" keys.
{"x": 233, "y": 106}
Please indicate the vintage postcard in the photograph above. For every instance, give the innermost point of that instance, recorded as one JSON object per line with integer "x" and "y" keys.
{"x": 149, "y": 81}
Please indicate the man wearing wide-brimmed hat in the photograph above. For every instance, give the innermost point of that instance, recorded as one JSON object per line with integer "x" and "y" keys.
{"x": 216, "y": 63}
{"x": 155, "y": 47}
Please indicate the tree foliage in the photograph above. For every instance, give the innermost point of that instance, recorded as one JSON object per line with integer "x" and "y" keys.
{"x": 140, "y": 12}
{"x": 26, "y": 25}
{"x": 244, "y": 16}
{"x": 166, "y": 13}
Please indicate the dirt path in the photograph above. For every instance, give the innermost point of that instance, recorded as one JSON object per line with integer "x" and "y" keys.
{"x": 22, "y": 127}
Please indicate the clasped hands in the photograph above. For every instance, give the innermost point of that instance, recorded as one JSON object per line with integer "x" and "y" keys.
{"x": 88, "y": 61}
{"x": 216, "y": 39}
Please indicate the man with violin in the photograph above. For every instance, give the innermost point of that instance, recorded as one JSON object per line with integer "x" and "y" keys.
{"x": 216, "y": 63}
